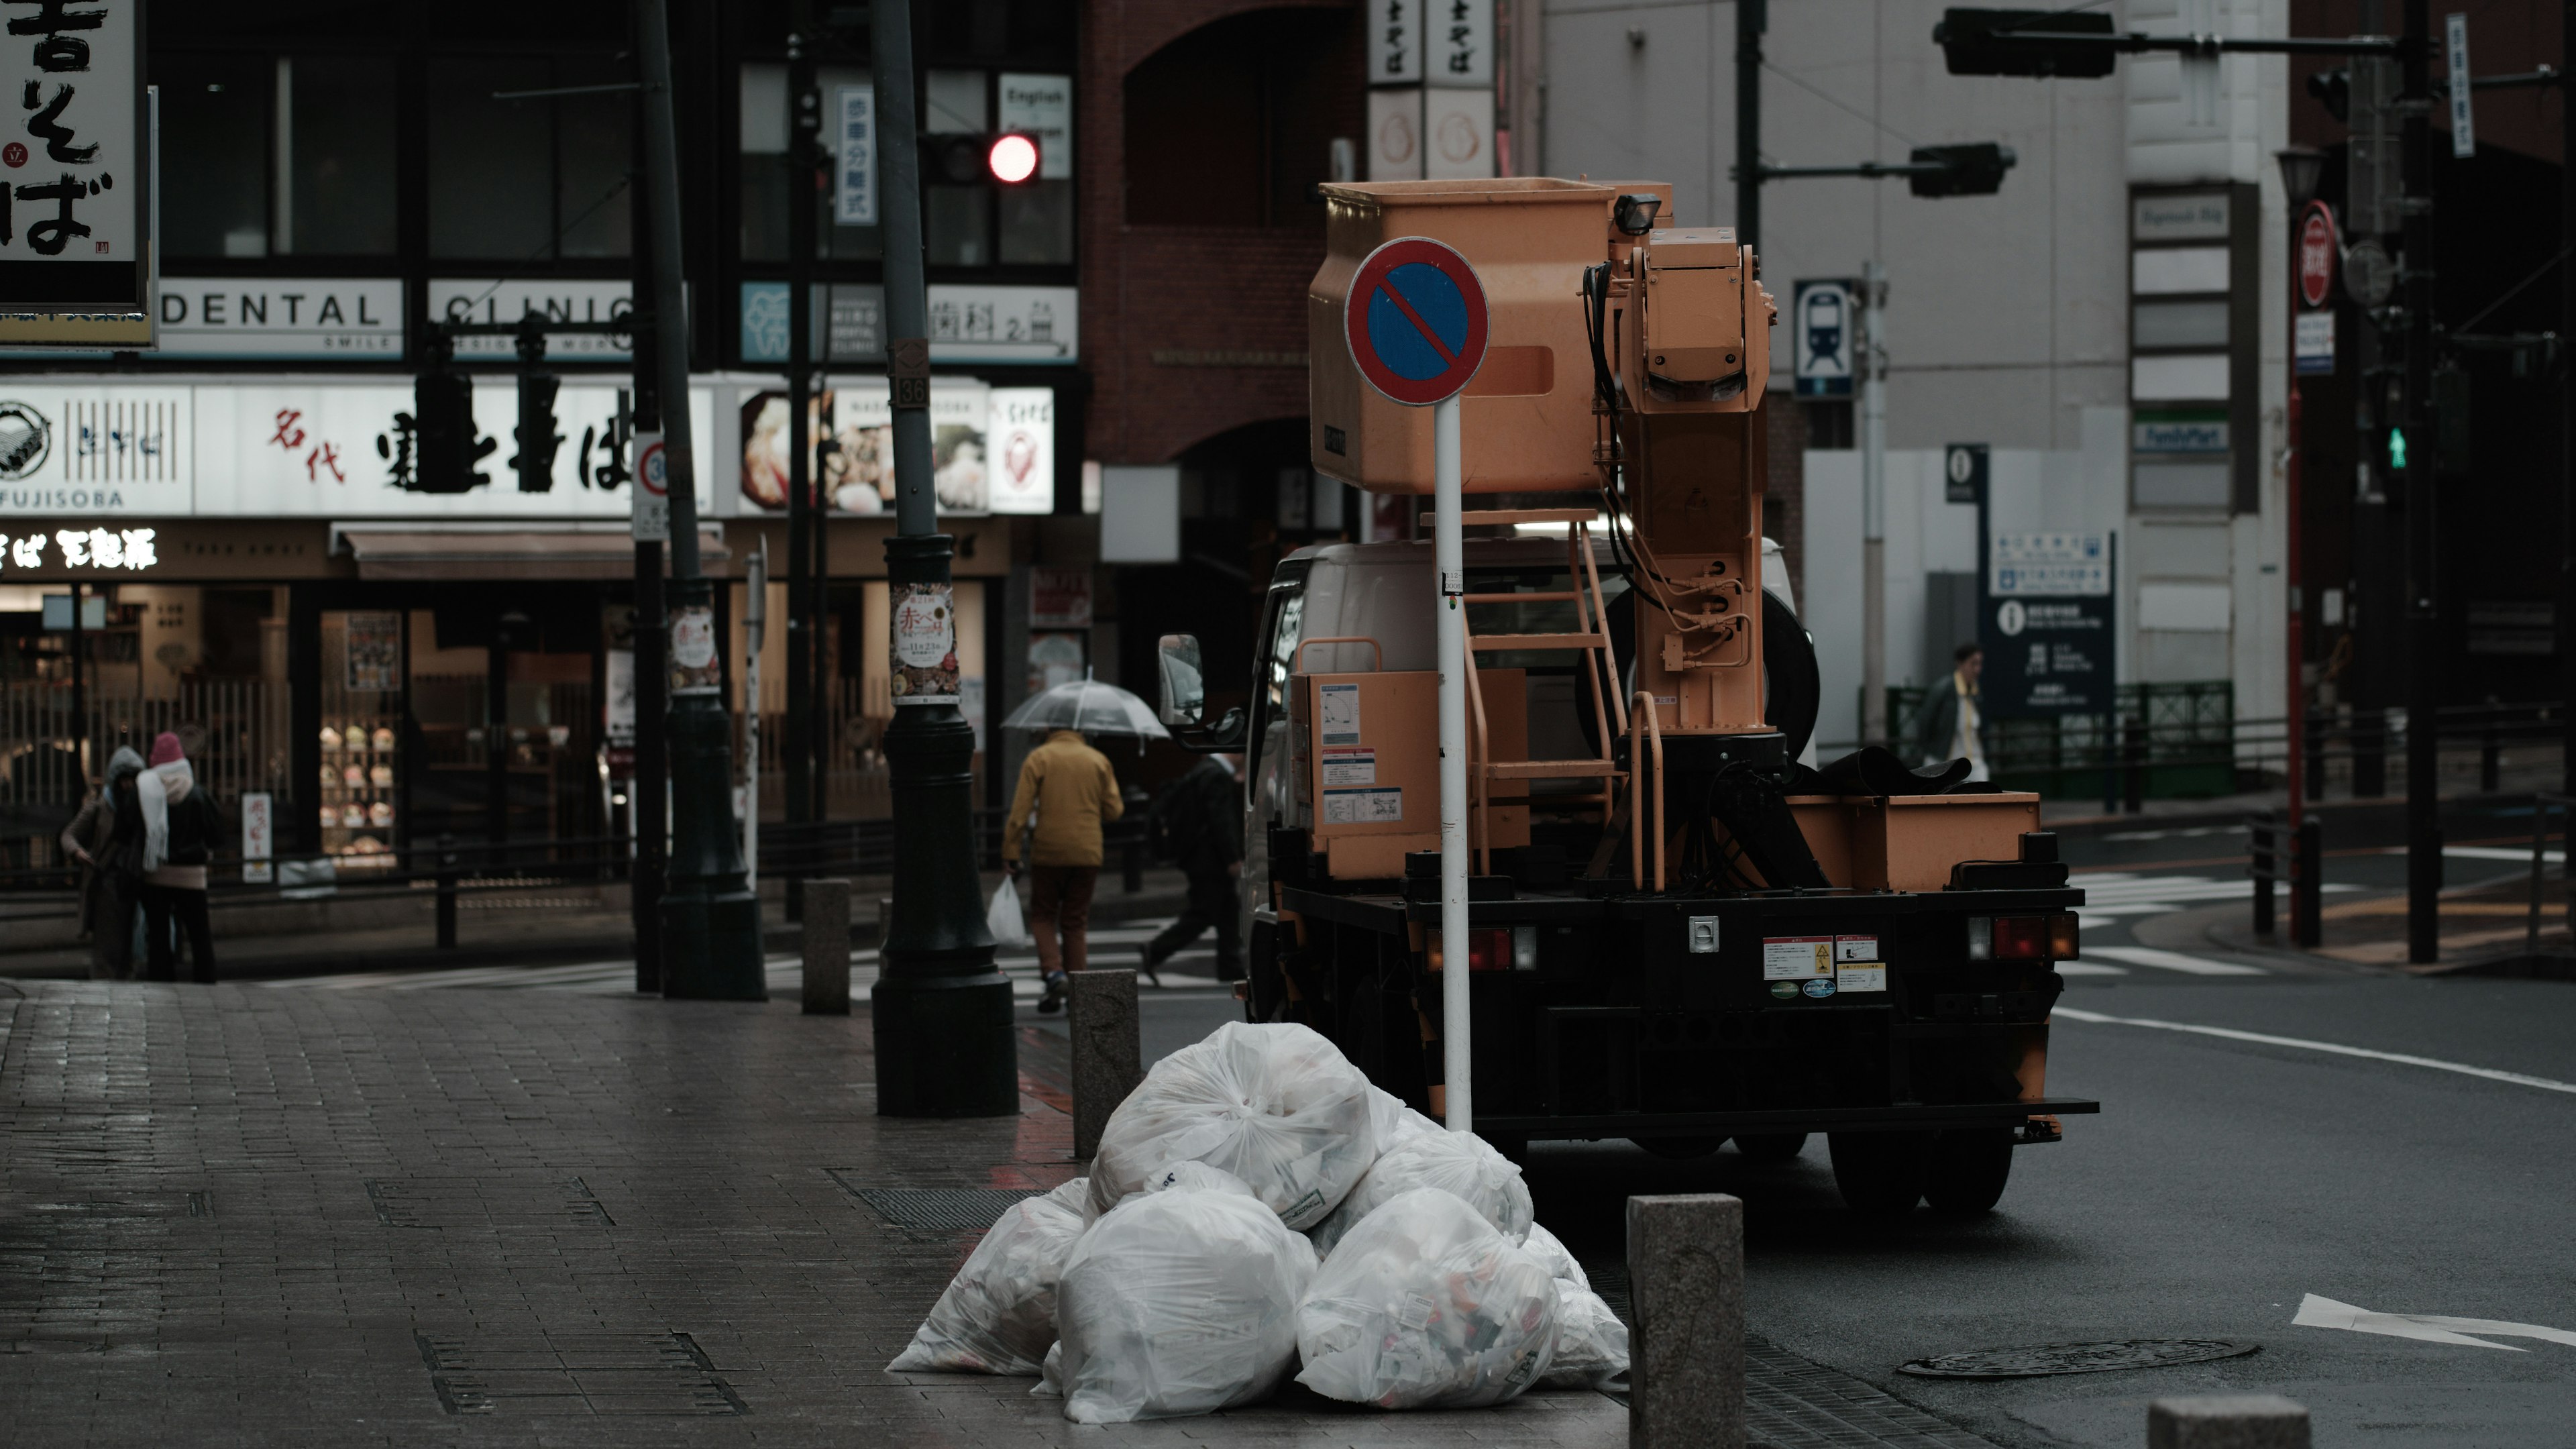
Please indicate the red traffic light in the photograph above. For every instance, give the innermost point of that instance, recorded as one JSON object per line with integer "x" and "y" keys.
{"x": 1012, "y": 157}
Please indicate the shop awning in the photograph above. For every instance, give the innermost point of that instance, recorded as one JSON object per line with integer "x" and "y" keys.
{"x": 402, "y": 554}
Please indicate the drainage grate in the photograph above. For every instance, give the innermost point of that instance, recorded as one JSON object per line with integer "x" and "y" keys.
{"x": 1791, "y": 1403}
{"x": 589, "y": 1374}
{"x": 436, "y": 1204}
{"x": 938, "y": 1209}
{"x": 2075, "y": 1358}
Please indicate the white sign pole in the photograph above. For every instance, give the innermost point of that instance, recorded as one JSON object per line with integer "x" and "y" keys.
{"x": 1449, "y": 557}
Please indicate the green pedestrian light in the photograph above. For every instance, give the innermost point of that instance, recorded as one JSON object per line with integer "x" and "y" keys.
{"x": 2397, "y": 448}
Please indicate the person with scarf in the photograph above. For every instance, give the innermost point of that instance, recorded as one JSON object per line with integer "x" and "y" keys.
{"x": 180, "y": 825}
{"x": 109, "y": 874}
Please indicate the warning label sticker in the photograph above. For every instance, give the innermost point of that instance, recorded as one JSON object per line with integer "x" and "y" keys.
{"x": 1337, "y": 711}
{"x": 1362, "y": 807}
{"x": 1797, "y": 958}
{"x": 1855, "y": 948}
{"x": 1861, "y": 976}
{"x": 1347, "y": 766}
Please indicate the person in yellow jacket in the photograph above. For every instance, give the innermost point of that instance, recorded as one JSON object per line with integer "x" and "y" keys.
{"x": 1070, "y": 789}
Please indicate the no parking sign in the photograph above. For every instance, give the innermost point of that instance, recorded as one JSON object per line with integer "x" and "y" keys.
{"x": 1416, "y": 321}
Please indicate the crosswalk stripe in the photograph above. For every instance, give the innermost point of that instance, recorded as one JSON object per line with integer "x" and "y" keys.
{"x": 2174, "y": 961}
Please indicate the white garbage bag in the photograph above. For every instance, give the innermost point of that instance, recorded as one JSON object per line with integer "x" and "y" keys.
{"x": 1396, "y": 1121}
{"x": 1458, "y": 1162}
{"x": 1276, "y": 1105}
{"x": 1182, "y": 1300}
{"x": 998, "y": 1314}
{"x": 1425, "y": 1305}
{"x": 1591, "y": 1342}
{"x": 1550, "y": 1250}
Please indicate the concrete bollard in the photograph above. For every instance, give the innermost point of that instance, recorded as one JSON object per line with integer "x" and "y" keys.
{"x": 1686, "y": 1298}
{"x": 827, "y": 948}
{"x": 885, "y": 920}
{"x": 2227, "y": 1421}
{"x": 1108, "y": 1060}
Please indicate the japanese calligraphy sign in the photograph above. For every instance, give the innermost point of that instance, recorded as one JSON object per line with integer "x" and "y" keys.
{"x": 75, "y": 195}
{"x": 78, "y": 449}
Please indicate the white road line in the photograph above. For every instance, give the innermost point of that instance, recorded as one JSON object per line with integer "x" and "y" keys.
{"x": 2520, "y": 856}
{"x": 2174, "y": 961}
{"x": 2319, "y": 1312}
{"x": 2087, "y": 968}
{"x": 2334, "y": 1048}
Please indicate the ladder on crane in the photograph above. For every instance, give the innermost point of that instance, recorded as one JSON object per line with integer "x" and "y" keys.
{"x": 1589, "y": 640}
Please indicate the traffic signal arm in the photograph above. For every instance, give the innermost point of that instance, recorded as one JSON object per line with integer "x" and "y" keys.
{"x": 2078, "y": 45}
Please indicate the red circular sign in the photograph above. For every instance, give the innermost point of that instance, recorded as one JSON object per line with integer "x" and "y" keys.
{"x": 14, "y": 155}
{"x": 2316, "y": 255}
{"x": 1416, "y": 321}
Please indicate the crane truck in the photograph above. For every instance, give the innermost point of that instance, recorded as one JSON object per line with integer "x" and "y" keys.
{"x": 1681, "y": 930}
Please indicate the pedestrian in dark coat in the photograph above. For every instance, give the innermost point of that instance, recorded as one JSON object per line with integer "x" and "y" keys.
{"x": 108, "y": 893}
{"x": 1201, "y": 819}
{"x": 180, "y": 825}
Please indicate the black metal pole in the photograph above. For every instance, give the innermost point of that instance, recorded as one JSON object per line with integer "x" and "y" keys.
{"x": 650, "y": 785}
{"x": 942, "y": 1012}
{"x": 2423, "y": 646}
{"x": 496, "y": 742}
{"x": 80, "y": 692}
{"x": 2567, "y": 401}
{"x": 711, "y": 921}
{"x": 802, "y": 117}
{"x": 1750, "y": 21}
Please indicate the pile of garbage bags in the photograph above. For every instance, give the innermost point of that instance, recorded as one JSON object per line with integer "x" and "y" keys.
{"x": 1257, "y": 1210}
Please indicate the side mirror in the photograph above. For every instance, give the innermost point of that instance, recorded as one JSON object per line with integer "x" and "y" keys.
{"x": 1184, "y": 682}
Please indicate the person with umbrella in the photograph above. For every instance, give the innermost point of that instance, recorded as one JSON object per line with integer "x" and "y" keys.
{"x": 1066, "y": 793}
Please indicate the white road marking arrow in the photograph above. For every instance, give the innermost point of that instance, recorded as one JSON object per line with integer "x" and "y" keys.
{"x": 2316, "y": 1312}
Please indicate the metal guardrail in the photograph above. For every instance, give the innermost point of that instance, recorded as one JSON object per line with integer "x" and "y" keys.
{"x": 2541, "y": 803}
{"x": 2281, "y": 856}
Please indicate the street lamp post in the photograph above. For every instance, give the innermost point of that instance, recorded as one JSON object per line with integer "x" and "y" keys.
{"x": 710, "y": 919}
{"x": 941, "y": 1011}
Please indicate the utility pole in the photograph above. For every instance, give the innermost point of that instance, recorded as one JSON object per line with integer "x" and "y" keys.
{"x": 1751, "y": 19}
{"x": 1871, "y": 359}
{"x": 802, "y": 119}
{"x": 941, "y": 1011}
{"x": 711, "y": 920}
{"x": 2423, "y": 642}
{"x": 649, "y": 789}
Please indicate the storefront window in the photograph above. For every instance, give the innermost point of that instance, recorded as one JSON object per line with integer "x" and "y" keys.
{"x": 291, "y": 155}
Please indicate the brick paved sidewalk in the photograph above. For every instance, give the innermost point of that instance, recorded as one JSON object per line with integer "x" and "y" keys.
{"x": 246, "y": 1216}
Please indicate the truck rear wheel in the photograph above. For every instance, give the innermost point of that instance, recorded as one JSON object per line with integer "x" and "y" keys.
{"x": 1881, "y": 1174}
{"x": 1969, "y": 1167}
{"x": 1771, "y": 1146}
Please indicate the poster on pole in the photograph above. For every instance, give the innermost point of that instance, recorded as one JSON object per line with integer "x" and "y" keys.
{"x": 76, "y": 254}
{"x": 259, "y": 836}
{"x": 925, "y": 643}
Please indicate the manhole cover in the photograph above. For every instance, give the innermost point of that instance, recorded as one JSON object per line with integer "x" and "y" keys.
{"x": 2075, "y": 1358}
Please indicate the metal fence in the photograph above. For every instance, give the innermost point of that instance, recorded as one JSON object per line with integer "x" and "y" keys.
{"x": 234, "y": 730}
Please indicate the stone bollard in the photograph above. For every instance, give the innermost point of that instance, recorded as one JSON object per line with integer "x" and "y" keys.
{"x": 1107, "y": 1058}
{"x": 885, "y": 922}
{"x": 827, "y": 948}
{"x": 2227, "y": 1421}
{"x": 1686, "y": 1300}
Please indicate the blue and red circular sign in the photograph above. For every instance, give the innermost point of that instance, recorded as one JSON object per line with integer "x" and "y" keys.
{"x": 1416, "y": 321}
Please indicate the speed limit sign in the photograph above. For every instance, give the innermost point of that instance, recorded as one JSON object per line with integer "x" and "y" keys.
{"x": 652, "y": 501}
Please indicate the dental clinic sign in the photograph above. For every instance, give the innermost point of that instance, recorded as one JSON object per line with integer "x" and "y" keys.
{"x": 282, "y": 318}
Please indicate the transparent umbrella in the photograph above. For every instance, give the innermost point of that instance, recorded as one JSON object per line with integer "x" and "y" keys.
{"x": 1093, "y": 708}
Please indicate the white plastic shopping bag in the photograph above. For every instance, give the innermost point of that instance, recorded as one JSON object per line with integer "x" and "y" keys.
{"x": 1003, "y": 918}
{"x": 998, "y": 1315}
{"x": 1274, "y": 1104}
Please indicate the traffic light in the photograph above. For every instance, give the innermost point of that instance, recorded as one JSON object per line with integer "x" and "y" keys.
{"x": 2333, "y": 89}
{"x": 1007, "y": 158}
{"x": 537, "y": 438}
{"x": 443, "y": 412}
{"x": 1968, "y": 42}
{"x": 1971, "y": 170}
{"x": 2397, "y": 450}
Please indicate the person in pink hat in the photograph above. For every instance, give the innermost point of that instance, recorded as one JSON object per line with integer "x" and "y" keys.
{"x": 180, "y": 826}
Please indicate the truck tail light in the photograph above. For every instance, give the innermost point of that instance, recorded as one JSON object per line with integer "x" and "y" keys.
{"x": 1486, "y": 950}
{"x": 2021, "y": 938}
{"x": 2065, "y": 943}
